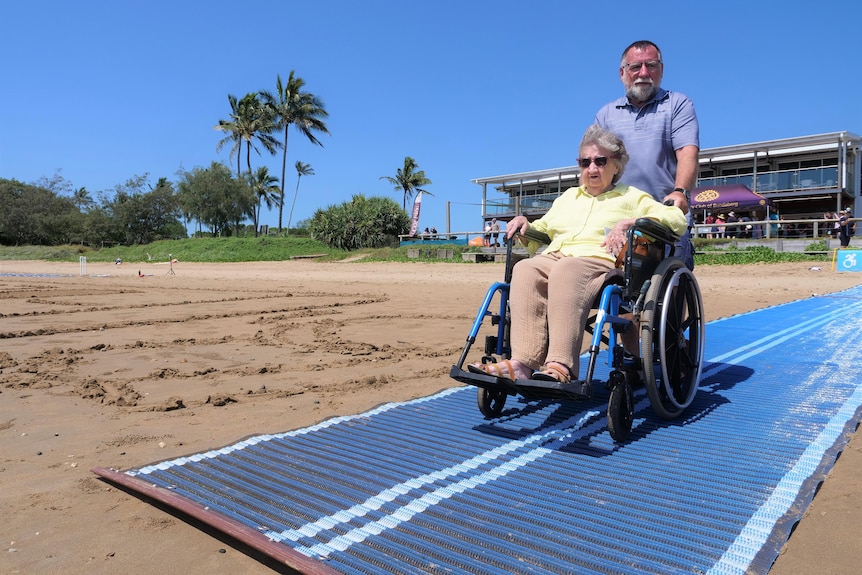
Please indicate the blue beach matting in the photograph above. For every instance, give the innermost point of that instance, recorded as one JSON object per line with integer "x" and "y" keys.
{"x": 430, "y": 486}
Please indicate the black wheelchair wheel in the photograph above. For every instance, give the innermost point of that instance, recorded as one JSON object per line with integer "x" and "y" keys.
{"x": 672, "y": 337}
{"x": 621, "y": 411}
{"x": 491, "y": 401}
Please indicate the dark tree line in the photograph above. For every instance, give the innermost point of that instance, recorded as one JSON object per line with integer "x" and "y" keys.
{"x": 36, "y": 215}
{"x": 50, "y": 212}
{"x": 211, "y": 198}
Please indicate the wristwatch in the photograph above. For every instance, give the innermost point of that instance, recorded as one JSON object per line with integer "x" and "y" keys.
{"x": 684, "y": 192}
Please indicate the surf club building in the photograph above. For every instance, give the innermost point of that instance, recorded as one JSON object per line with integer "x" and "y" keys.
{"x": 798, "y": 178}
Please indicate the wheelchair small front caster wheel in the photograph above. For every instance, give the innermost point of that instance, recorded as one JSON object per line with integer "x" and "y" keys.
{"x": 491, "y": 401}
{"x": 621, "y": 411}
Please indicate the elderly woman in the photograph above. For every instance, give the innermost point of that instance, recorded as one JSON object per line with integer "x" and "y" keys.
{"x": 551, "y": 294}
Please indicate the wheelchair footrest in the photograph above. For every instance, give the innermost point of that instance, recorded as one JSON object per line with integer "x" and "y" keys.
{"x": 482, "y": 380}
{"x": 527, "y": 388}
{"x": 538, "y": 389}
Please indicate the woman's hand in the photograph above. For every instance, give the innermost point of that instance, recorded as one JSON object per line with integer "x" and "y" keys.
{"x": 517, "y": 225}
{"x": 616, "y": 238}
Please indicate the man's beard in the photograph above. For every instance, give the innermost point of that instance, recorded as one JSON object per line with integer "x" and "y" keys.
{"x": 641, "y": 91}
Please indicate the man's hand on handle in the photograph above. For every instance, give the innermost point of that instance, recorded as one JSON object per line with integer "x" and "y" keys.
{"x": 677, "y": 199}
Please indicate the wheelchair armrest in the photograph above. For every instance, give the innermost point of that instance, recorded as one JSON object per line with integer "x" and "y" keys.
{"x": 537, "y": 236}
{"x": 513, "y": 258}
{"x": 656, "y": 230}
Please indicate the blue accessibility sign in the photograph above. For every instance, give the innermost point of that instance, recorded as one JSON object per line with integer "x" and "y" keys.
{"x": 847, "y": 260}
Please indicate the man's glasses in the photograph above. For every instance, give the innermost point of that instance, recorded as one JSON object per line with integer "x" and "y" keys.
{"x": 635, "y": 67}
{"x": 600, "y": 161}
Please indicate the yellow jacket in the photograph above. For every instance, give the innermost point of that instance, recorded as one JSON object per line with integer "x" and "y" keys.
{"x": 577, "y": 221}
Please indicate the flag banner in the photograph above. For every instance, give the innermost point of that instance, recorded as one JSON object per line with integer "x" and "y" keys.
{"x": 414, "y": 224}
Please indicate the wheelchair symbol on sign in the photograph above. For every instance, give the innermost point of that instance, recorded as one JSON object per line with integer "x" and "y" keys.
{"x": 850, "y": 260}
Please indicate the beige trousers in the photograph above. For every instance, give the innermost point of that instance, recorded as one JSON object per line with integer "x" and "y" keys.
{"x": 550, "y": 300}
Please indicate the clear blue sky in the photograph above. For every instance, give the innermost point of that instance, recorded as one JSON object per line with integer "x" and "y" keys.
{"x": 107, "y": 90}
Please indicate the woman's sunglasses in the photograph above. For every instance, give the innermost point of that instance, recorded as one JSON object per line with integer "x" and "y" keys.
{"x": 600, "y": 161}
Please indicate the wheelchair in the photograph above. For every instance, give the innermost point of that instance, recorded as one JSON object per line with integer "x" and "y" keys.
{"x": 654, "y": 293}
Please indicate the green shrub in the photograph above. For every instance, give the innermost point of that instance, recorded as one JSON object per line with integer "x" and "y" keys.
{"x": 753, "y": 254}
{"x": 360, "y": 223}
{"x": 818, "y": 246}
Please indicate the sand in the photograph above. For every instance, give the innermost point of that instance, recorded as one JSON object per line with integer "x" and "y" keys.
{"x": 119, "y": 370}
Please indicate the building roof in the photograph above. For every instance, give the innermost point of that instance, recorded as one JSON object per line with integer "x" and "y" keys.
{"x": 765, "y": 148}
{"x": 549, "y": 175}
{"x": 785, "y": 146}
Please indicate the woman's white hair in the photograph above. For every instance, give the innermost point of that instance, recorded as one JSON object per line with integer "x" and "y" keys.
{"x": 607, "y": 140}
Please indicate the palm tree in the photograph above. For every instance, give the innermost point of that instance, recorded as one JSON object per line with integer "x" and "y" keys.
{"x": 301, "y": 170}
{"x": 250, "y": 121}
{"x": 83, "y": 199}
{"x": 292, "y": 105}
{"x": 408, "y": 180}
{"x": 266, "y": 191}
{"x": 234, "y": 129}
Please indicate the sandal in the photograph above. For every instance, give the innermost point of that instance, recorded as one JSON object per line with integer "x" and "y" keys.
{"x": 554, "y": 372}
{"x": 501, "y": 370}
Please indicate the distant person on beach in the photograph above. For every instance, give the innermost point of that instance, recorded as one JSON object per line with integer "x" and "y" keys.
{"x": 834, "y": 229}
{"x": 732, "y": 231}
{"x": 720, "y": 220}
{"x": 710, "y": 221}
{"x": 774, "y": 228}
{"x": 847, "y": 228}
{"x": 660, "y": 131}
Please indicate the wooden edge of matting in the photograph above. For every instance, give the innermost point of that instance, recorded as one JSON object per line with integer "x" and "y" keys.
{"x": 254, "y": 539}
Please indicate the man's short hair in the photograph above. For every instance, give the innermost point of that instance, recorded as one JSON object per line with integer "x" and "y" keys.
{"x": 640, "y": 45}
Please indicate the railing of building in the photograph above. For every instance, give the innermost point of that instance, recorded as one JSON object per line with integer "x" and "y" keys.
{"x": 529, "y": 204}
{"x": 802, "y": 180}
{"x": 780, "y": 181}
{"x": 769, "y": 229}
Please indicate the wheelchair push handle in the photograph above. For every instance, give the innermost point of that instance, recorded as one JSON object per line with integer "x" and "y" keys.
{"x": 655, "y": 229}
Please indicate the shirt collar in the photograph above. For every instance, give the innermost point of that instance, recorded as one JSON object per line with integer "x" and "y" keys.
{"x": 660, "y": 94}
{"x": 617, "y": 189}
